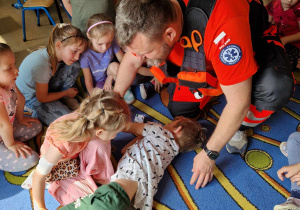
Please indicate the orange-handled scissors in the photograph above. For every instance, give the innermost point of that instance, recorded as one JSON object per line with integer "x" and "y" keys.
{"x": 186, "y": 42}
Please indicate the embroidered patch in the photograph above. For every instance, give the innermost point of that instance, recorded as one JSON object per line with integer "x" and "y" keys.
{"x": 231, "y": 54}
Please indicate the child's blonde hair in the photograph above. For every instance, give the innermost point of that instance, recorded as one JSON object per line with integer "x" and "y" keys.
{"x": 100, "y": 29}
{"x": 102, "y": 110}
{"x": 4, "y": 48}
{"x": 192, "y": 136}
{"x": 68, "y": 35}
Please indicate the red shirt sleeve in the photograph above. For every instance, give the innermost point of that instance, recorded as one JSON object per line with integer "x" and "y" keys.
{"x": 227, "y": 43}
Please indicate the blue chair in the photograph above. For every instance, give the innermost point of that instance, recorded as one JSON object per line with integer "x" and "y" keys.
{"x": 36, "y": 5}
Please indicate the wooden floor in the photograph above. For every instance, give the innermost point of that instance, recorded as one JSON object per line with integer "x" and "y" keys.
{"x": 11, "y": 31}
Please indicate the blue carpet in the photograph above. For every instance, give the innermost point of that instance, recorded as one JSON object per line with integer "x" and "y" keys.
{"x": 248, "y": 182}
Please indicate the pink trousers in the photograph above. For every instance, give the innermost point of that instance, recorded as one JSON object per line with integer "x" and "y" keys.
{"x": 95, "y": 167}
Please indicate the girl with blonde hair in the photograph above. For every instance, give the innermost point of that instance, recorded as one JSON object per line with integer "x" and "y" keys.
{"x": 47, "y": 75}
{"x": 84, "y": 134}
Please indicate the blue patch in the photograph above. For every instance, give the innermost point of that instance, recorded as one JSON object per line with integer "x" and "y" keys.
{"x": 231, "y": 54}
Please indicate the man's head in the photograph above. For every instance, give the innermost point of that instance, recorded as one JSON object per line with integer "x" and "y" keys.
{"x": 189, "y": 133}
{"x": 148, "y": 28}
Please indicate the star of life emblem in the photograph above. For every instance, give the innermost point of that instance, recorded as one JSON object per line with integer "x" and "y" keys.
{"x": 231, "y": 54}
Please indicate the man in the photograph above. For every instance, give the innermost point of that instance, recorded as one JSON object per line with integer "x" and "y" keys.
{"x": 151, "y": 28}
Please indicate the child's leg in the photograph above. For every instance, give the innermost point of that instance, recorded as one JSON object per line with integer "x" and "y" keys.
{"x": 65, "y": 77}
{"x": 95, "y": 161}
{"x": 24, "y": 133}
{"x": 112, "y": 69}
{"x": 293, "y": 144}
{"x": 9, "y": 162}
{"x": 47, "y": 112}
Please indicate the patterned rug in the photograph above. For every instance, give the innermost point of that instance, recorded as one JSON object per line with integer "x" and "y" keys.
{"x": 248, "y": 182}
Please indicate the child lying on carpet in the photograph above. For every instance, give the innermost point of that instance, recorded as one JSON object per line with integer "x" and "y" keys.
{"x": 14, "y": 126}
{"x": 143, "y": 164}
{"x": 85, "y": 133}
{"x": 291, "y": 149}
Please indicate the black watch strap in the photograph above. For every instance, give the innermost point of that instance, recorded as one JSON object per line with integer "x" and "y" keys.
{"x": 213, "y": 155}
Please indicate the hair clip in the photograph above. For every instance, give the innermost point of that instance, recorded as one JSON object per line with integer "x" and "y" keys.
{"x": 64, "y": 39}
{"x": 61, "y": 25}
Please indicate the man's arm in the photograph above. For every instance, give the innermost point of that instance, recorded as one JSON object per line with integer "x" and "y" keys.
{"x": 126, "y": 73}
{"x": 238, "y": 98}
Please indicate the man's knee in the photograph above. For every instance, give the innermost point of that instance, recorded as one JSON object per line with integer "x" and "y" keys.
{"x": 272, "y": 88}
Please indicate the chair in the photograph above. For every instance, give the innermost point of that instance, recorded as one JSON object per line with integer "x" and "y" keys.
{"x": 36, "y": 5}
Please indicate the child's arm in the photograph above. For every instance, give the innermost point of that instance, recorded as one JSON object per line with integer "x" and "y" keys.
{"x": 88, "y": 79}
{"x": 135, "y": 128}
{"x": 44, "y": 96}
{"x": 20, "y": 111}
{"x": 291, "y": 38}
{"x": 7, "y": 134}
{"x": 52, "y": 156}
{"x": 68, "y": 6}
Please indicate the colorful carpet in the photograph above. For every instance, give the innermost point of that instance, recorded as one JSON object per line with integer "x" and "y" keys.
{"x": 248, "y": 182}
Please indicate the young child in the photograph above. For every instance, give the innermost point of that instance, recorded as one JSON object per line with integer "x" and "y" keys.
{"x": 286, "y": 15}
{"x": 14, "y": 126}
{"x": 48, "y": 75}
{"x": 292, "y": 172}
{"x": 143, "y": 164}
{"x": 85, "y": 133}
{"x": 98, "y": 68}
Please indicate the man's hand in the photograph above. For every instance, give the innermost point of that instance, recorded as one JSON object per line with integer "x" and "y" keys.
{"x": 202, "y": 170}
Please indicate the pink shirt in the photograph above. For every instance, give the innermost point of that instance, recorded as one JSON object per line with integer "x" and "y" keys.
{"x": 67, "y": 149}
{"x": 8, "y": 96}
{"x": 286, "y": 21}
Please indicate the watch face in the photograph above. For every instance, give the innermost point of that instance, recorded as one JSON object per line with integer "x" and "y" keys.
{"x": 213, "y": 155}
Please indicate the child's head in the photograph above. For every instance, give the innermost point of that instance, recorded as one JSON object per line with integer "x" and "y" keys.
{"x": 101, "y": 32}
{"x": 103, "y": 114}
{"x": 189, "y": 133}
{"x": 8, "y": 70}
{"x": 288, "y": 3}
{"x": 66, "y": 43}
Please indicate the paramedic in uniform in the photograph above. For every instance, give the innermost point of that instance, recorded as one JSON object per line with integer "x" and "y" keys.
{"x": 150, "y": 29}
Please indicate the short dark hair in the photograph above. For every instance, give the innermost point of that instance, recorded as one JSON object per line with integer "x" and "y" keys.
{"x": 149, "y": 17}
{"x": 193, "y": 135}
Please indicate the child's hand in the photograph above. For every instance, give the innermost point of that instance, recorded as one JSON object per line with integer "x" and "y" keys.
{"x": 72, "y": 92}
{"x": 157, "y": 84}
{"x": 108, "y": 83}
{"x": 296, "y": 178}
{"x": 283, "y": 40}
{"x": 288, "y": 171}
{"x": 26, "y": 121}
{"x": 20, "y": 148}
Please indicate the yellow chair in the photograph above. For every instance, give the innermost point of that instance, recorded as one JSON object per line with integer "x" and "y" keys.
{"x": 36, "y": 5}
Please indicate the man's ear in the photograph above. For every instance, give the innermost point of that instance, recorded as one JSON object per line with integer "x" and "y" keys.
{"x": 178, "y": 131}
{"x": 169, "y": 35}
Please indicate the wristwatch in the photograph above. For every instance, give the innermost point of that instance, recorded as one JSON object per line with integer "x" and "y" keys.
{"x": 211, "y": 154}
